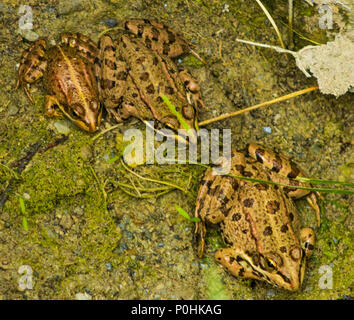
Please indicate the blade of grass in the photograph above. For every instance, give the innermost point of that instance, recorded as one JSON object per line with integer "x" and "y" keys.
{"x": 23, "y": 212}
{"x": 101, "y": 186}
{"x": 319, "y": 181}
{"x": 22, "y": 205}
{"x": 153, "y": 180}
{"x": 272, "y": 22}
{"x": 184, "y": 214}
{"x": 172, "y": 108}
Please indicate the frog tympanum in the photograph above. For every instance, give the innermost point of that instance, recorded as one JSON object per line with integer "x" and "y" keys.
{"x": 259, "y": 221}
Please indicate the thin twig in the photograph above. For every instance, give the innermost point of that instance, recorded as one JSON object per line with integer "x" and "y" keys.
{"x": 105, "y": 131}
{"x": 263, "y": 104}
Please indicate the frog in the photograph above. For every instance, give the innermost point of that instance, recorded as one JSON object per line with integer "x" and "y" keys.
{"x": 259, "y": 222}
{"x": 127, "y": 76}
{"x": 69, "y": 79}
{"x": 136, "y": 70}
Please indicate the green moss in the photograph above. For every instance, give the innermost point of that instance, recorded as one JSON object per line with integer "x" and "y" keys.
{"x": 216, "y": 289}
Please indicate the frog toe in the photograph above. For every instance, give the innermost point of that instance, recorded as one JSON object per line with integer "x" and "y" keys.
{"x": 49, "y": 107}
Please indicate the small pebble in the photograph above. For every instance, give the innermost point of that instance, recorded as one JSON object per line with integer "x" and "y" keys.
{"x": 108, "y": 266}
{"x": 29, "y": 35}
{"x": 70, "y": 6}
{"x": 267, "y": 129}
{"x": 12, "y": 110}
{"x": 161, "y": 245}
{"x": 83, "y": 296}
{"x": 66, "y": 221}
{"x": 62, "y": 126}
{"x": 86, "y": 152}
{"x": 110, "y": 22}
{"x": 270, "y": 293}
{"x": 26, "y": 196}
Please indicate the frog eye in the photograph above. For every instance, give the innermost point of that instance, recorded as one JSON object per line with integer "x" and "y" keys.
{"x": 170, "y": 126}
{"x": 271, "y": 263}
{"x": 78, "y": 110}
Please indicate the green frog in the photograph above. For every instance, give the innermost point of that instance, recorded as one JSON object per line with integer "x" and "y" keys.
{"x": 259, "y": 221}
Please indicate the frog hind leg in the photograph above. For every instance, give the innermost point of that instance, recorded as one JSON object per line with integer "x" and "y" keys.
{"x": 133, "y": 105}
{"x": 32, "y": 66}
{"x": 282, "y": 169}
{"x": 232, "y": 259}
{"x": 82, "y": 43}
{"x": 159, "y": 37}
{"x": 213, "y": 203}
{"x": 111, "y": 74}
{"x": 193, "y": 89}
{"x": 307, "y": 237}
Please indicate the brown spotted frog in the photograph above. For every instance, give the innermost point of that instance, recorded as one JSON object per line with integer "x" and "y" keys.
{"x": 129, "y": 76}
{"x": 68, "y": 77}
{"x": 259, "y": 221}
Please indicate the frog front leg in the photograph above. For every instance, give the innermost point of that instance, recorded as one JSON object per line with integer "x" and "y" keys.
{"x": 32, "y": 66}
{"x": 237, "y": 263}
{"x": 307, "y": 237}
{"x": 49, "y": 107}
{"x": 193, "y": 89}
{"x": 284, "y": 171}
{"x": 213, "y": 202}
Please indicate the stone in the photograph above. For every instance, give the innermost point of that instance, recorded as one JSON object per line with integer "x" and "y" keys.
{"x": 70, "y": 6}
{"x": 62, "y": 126}
{"x": 12, "y": 110}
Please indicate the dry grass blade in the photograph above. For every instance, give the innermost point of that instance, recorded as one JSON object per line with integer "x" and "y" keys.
{"x": 263, "y": 104}
{"x": 170, "y": 184}
{"x": 272, "y": 22}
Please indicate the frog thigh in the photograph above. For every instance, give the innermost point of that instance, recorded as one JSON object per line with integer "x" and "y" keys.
{"x": 32, "y": 65}
{"x": 283, "y": 169}
{"x": 82, "y": 43}
{"x": 158, "y": 37}
{"x": 231, "y": 259}
{"x": 213, "y": 201}
{"x": 111, "y": 73}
